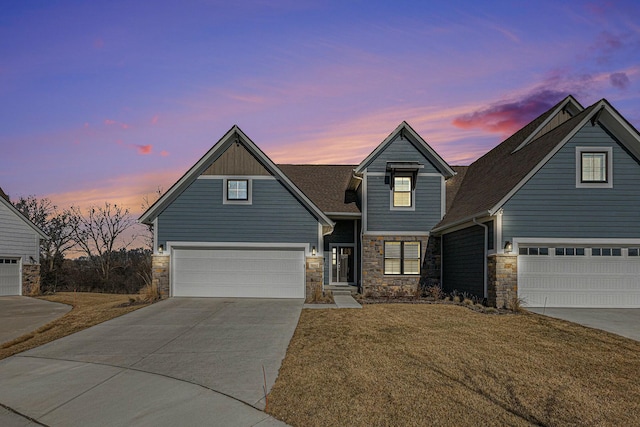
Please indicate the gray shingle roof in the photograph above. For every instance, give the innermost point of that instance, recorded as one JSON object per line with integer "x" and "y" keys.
{"x": 325, "y": 185}
{"x": 490, "y": 178}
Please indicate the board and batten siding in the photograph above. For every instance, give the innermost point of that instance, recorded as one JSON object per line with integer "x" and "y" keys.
{"x": 17, "y": 239}
{"x": 550, "y": 205}
{"x": 199, "y": 215}
{"x": 428, "y": 207}
{"x": 463, "y": 261}
{"x": 401, "y": 150}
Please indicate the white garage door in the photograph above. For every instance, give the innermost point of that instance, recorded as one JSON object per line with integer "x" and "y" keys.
{"x": 239, "y": 272}
{"x": 9, "y": 276}
{"x": 598, "y": 277}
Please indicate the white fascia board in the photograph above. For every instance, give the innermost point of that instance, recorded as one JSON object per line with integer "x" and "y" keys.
{"x": 24, "y": 219}
{"x": 546, "y": 158}
{"x": 461, "y": 223}
{"x": 568, "y": 100}
{"x": 624, "y": 132}
{"x": 236, "y": 245}
{"x": 343, "y": 215}
{"x": 440, "y": 163}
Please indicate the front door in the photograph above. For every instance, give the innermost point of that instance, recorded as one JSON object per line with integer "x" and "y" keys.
{"x": 342, "y": 263}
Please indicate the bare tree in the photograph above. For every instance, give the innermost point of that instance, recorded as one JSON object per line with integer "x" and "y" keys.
{"x": 99, "y": 231}
{"x": 56, "y": 224}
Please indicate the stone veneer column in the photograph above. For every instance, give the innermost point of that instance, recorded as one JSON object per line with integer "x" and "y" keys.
{"x": 30, "y": 279}
{"x": 431, "y": 266}
{"x": 160, "y": 273}
{"x": 314, "y": 275}
{"x": 502, "y": 283}
{"x": 373, "y": 278}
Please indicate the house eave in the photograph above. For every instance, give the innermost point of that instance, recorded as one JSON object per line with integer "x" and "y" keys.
{"x": 479, "y": 215}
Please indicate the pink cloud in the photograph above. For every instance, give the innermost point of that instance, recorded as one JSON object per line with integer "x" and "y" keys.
{"x": 164, "y": 153}
{"x": 144, "y": 149}
{"x": 109, "y": 122}
{"x": 507, "y": 117}
{"x": 154, "y": 120}
{"x": 124, "y": 126}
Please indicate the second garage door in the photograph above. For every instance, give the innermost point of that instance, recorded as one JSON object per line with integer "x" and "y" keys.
{"x": 9, "y": 276}
{"x": 238, "y": 272}
{"x": 597, "y": 277}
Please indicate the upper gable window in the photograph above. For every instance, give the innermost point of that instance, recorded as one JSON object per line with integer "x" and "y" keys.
{"x": 594, "y": 167}
{"x": 237, "y": 191}
{"x": 402, "y": 192}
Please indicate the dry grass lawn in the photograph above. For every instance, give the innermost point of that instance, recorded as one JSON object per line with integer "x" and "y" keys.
{"x": 404, "y": 364}
{"x": 88, "y": 310}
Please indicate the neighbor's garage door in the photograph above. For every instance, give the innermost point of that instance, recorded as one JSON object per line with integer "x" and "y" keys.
{"x": 598, "y": 277}
{"x": 9, "y": 276}
{"x": 248, "y": 272}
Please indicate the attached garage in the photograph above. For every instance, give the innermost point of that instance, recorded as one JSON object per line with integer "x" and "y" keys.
{"x": 9, "y": 276}
{"x": 245, "y": 272}
{"x": 599, "y": 276}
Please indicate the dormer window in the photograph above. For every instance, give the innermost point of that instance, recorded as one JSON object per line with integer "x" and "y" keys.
{"x": 237, "y": 191}
{"x": 402, "y": 190}
{"x": 402, "y": 178}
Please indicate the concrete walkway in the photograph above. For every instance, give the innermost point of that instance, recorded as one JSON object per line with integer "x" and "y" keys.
{"x": 184, "y": 361}
{"x": 620, "y": 321}
{"x": 21, "y": 315}
{"x": 340, "y": 301}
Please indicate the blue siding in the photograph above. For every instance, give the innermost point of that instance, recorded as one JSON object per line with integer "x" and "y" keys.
{"x": 400, "y": 150}
{"x": 550, "y": 205}
{"x": 198, "y": 215}
{"x": 427, "y": 211}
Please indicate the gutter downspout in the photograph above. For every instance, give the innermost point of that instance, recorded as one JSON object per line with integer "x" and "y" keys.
{"x": 486, "y": 254}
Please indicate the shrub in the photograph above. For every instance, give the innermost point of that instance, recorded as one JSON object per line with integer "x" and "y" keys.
{"x": 515, "y": 304}
{"x": 435, "y": 292}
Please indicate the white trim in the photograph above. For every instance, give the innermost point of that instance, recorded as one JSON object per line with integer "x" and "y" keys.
{"x": 609, "y": 181}
{"x": 411, "y": 208}
{"x": 432, "y": 174}
{"x": 460, "y": 224}
{"x": 383, "y": 145}
{"x": 226, "y": 201}
{"x": 239, "y": 245}
{"x": 320, "y": 247}
{"x": 397, "y": 233}
{"x": 443, "y": 197}
{"x": 497, "y": 241}
{"x": 155, "y": 236}
{"x": 343, "y": 215}
{"x": 364, "y": 202}
{"x": 256, "y": 177}
{"x": 356, "y": 274}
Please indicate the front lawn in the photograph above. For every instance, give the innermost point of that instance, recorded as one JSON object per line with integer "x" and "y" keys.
{"x": 416, "y": 364}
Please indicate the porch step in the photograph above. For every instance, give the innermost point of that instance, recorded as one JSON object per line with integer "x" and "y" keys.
{"x": 342, "y": 289}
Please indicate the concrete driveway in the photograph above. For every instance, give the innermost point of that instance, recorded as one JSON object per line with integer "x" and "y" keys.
{"x": 183, "y": 361}
{"x": 620, "y": 321}
{"x": 21, "y": 315}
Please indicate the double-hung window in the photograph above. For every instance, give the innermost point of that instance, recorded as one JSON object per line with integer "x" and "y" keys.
{"x": 594, "y": 167}
{"x": 402, "y": 192}
{"x": 401, "y": 257}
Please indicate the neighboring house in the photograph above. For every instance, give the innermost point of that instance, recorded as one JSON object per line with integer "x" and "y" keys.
{"x": 19, "y": 251}
{"x": 549, "y": 215}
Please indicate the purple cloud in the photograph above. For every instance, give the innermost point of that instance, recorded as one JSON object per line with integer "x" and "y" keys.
{"x": 620, "y": 80}
{"x": 508, "y": 116}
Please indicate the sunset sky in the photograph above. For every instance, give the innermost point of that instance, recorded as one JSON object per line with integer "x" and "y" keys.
{"x": 106, "y": 101}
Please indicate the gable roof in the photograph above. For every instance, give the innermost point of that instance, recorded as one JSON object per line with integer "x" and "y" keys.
{"x": 4, "y": 199}
{"x": 404, "y": 129}
{"x": 325, "y": 185}
{"x": 234, "y": 134}
{"x": 493, "y": 178}
{"x": 453, "y": 184}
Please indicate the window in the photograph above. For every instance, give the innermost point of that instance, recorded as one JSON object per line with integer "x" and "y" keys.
{"x": 237, "y": 191}
{"x": 569, "y": 251}
{"x": 402, "y": 192}
{"x": 401, "y": 257}
{"x": 633, "y": 251}
{"x": 593, "y": 167}
{"x": 533, "y": 251}
{"x": 606, "y": 251}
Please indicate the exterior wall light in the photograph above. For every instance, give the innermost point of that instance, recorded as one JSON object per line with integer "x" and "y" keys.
{"x": 313, "y": 251}
{"x": 160, "y": 249}
{"x": 508, "y": 247}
